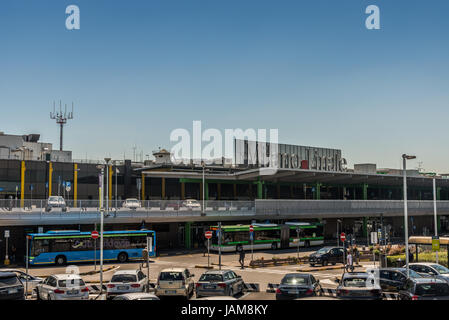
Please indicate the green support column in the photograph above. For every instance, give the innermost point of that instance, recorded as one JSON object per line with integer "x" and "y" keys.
{"x": 206, "y": 191}
{"x": 259, "y": 190}
{"x": 187, "y": 233}
{"x": 438, "y": 217}
{"x": 318, "y": 191}
{"x": 365, "y": 191}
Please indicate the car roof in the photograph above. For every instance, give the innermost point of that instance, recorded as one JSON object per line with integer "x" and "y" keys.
{"x": 7, "y": 274}
{"x": 216, "y": 271}
{"x": 174, "y": 270}
{"x": 66, "y": 276}
{"x": 355, "y": 274}
{"x": 302, "y": 275}
{"x": 130, "y": 271}
{"x": 137, "y": 295}
{"x": 423, "y": 263}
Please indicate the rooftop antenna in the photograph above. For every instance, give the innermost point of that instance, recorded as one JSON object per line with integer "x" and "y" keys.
{"x": 61, "y": 119}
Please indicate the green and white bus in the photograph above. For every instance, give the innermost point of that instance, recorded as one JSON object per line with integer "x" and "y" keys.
{"x": 268, "y": 236}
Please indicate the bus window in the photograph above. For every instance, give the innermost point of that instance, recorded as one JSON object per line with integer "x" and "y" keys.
{"x": 267, "y": 235}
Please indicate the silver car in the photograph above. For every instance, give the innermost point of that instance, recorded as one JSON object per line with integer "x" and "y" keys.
{"x": 430, "y": 269}
{"x": 56, "y": 202}
{"x": 62, "y": 287}
{"x": 219, "y": 283}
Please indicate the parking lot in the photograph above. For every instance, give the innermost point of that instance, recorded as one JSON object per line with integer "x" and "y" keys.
{"x": 260, "y": 282}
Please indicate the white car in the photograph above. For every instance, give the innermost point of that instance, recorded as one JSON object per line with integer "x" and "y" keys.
{"x": 32, "y": 280}
{"x": 175, "y": 282}
{"x": 430, "y": 269}
{"x": 126, "y": 281}
{"x": 137, "y": 296}
{"x": 132, "y": 203}
{"x": 56, "y": 202}
{"x": 62, "y": 287}
{"x": 191, "y": 204}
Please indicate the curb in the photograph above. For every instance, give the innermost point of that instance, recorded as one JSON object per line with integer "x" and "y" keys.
{"x": 204, "y": 267}
{"x": 89, "y": 273}
{"x": 325, "y": 268}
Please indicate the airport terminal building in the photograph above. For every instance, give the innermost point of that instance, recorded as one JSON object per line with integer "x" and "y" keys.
{"x": 309, "y": 184}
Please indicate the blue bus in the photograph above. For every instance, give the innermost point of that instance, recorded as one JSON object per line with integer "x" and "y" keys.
{"x": 71, "y": 246}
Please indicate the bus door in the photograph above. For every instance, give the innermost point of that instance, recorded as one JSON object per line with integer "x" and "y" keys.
{"x": 285, "y": 236}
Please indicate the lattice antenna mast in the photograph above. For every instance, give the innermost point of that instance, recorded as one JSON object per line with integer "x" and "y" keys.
{"x": 61, "y": 119}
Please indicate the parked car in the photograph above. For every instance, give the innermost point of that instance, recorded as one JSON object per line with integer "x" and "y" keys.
{"x": 359, "y": 285}
{"x": 327, "y": 255}
{"x": 55, "y": 202}
{"x": 126, "y": 281}
{"x": 175, "y": 282}
{"x": 430, "y": 269}
{"x": 425, "y": 288}
{"x": 136, "y": 296}
{"x": 191, "y": 204}
{"x": 62, "y": 287}
{"x": 32, "y": 280}
{"x": 132, "y": 203}
{"x": 217, "y": 298}
{"x": 11, "y": 288}
{"x": 219, "y": 283}
{"x": 394, "y": 279}
{"x": 295, "y": 285}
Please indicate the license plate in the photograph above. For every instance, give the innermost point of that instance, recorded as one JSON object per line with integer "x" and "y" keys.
{"x": 292, "y": 292}
{"x": 73, "y": 292}
{"x": 11, "y": 291}
{"x": 209, "y": 287}
{"x": 122, "y": 287}
{"x": 170, "y": 291}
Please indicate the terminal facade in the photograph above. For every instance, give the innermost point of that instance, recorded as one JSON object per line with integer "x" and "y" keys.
{"x": 307, "y": 173}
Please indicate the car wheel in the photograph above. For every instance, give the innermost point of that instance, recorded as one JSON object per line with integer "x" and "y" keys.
{"x": 122, "y": 257}
{"x": 274, "y": 246}
{"x": 312, "y": 264}
{"x": 60, "y": 260}
{"x": 231, "y": 292}
{"x": 325, "y": 263}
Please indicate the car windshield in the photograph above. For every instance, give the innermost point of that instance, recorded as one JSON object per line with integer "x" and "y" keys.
{"x": 432, "y": 289}
{"x": 323, "y": 250}
{"x": 441, "y": 269}
{"x": 70, "y": 283}
{"x": 9, "y": 281}
{"x": 53, "y": 199}
{"x": 210, "y": 277}
{"x": 414, "y": 274}
{"x": 359, "y": 282}
{"x": 132, "y": 201}
{"x": 171, "y": 276}
{"x": 294, "y": 280}
{"x": 124, "y": 278}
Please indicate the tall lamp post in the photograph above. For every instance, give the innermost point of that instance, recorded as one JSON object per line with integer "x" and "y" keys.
{"x": 203, "y": 165}
{"x": 101, "y": 190}
{"x": 107, "y": 184}
{"x": 435, "y": 214}
{"x": 406, "y": 157}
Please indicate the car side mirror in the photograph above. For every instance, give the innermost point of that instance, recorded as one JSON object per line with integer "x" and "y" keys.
{"x": 337, "y": 280}
{"x": 318, "y": 281}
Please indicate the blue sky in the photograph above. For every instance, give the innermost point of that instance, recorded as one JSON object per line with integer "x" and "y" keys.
{"x": 136, "y": 70}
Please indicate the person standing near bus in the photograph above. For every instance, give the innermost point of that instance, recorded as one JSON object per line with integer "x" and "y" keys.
{"x": 242, "y": 258}
{"x": 349, "y": 262}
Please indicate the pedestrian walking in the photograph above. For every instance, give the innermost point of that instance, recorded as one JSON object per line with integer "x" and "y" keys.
{"x": 13, "y": 254}
{"x": 242, "y": 258}
{"x": 349, "y": 262}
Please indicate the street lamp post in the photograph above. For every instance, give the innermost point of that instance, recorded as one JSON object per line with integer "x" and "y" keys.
{"x": 203, "y": 165}
{"x": 101, "y": 183}
{"x": 404, "y": 166}
{"x": 107, "y": 184}
{"x": 435, "y": 213}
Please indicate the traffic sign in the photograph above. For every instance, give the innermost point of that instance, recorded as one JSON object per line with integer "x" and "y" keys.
{"x": 94, "y": 234}
{"x": 435, "y": 243}
{"x": 208, "y": 234}
{"x": 251, "y": 236}
{"x": 6, "y": 233}
{"x": 342, "y": 236}
{"x": 251, "y": 228}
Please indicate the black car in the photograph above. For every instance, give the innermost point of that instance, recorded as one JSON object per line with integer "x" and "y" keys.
{"x": 11, "y": 288}
{"x": 394, "y": 279}
{"x": 327, "y": 255}
{"x": 425, "y": 289}
{"x": 296, "y": 285}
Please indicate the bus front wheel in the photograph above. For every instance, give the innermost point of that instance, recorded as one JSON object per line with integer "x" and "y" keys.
{"x": 239, "y": 248}
{"x": 60, "y": 260}
{"x": 122, "y": 257}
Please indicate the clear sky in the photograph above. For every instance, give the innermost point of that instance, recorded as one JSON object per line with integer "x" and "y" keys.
{"x": 136, "y": 70}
